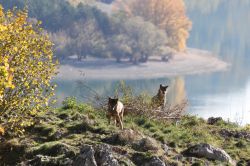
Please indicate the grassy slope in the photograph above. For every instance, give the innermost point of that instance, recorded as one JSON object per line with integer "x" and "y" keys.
{"x": 78, "y": 124}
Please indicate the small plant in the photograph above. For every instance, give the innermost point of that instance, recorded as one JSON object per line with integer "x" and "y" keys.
{"x": 148, "y": 125}
{"x": 241, "y": 144}
{"x": 69, "y": 103}
{"x": 141, "y": 121}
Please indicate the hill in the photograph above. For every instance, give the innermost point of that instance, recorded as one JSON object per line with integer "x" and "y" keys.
{"x": 78, "y": 134}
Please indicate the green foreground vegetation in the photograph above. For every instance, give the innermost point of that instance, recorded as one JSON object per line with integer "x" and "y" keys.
{"x": 60, "y": 133}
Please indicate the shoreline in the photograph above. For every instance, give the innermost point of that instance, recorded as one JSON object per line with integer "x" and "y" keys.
{"x": 191, "y": 62}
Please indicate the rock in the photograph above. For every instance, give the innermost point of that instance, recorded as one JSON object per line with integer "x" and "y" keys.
{"x": 80, "y": 128}
{"x": 155, "y": 161}
{"x": 12, "y": 151}
{"x": 86, "y": 157}
{"x": 147, "y": 144}
{"x": 178, "y": 157}
{"x": 100, "y": 155}
{"x": 213, "y": 120}
{"x": 207, "y": 151}
{"x": 124, "y": 137}
{"x": 56, "y": 135}
{"x": 165, "y": 148}
{"x": 47, "y": 161}
{"x": 104, "y": 156}
{"x": 54, "y": 149}
{"x": 144, "y": 160}
{"x": 236, "y": 134}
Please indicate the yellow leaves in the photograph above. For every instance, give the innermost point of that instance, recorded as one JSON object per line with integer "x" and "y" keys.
{"x": 26, "y": 62}
{"x": 1, "y": 11}
{"x": 2, "y": 131}
{"x": 168, "y": 15}
{"x": 15, "y": 49}
{"x": 3, "y": 28}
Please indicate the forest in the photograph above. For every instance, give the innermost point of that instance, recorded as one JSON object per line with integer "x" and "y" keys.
{"x": 81, "y": 28}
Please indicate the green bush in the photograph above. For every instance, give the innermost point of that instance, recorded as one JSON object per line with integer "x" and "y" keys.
{"x": 69, "y": 103}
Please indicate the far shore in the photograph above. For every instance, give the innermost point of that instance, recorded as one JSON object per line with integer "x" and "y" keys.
{"x": 190, "y": 62}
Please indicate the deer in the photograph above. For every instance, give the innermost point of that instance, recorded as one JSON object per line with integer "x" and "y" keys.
{"x": 115, "y": 111}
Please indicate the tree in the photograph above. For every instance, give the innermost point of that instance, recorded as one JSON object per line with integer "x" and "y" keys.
{"x": 137, "y": 38}
{"x": 27, "y": 65}
{"x": 120, "y": 46}
{"x": 168, "y": 15}
{"x": 61, "y": 40}
{"x": 87, "y": 39}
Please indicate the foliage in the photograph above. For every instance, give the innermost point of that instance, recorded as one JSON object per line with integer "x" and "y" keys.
{"x": 136, "y": 38}
{"x": 168, "y": 15}
{"x": 26, "y": 62}
{"x": 72, "y": 103}
{"x": 78, "y": 27}
{"x": 1, "y": 130}
{"x": 69, "y": 103}
{"x": 87, "y": 40}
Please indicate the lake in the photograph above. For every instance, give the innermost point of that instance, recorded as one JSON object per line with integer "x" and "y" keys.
{"x": 219, "y": 26}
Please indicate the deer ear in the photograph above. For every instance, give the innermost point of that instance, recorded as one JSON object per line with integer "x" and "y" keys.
{"x": 160, "y": 85}
{"x": 109, "y": 98}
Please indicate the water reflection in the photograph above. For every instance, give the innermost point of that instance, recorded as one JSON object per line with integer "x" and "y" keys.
{"x": 105, "y": 87}
{"x": 221, "y": 27}
{"x": 232, "y": 105}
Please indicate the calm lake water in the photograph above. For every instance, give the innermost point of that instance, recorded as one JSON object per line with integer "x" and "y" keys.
{"x": 220, "y": 26}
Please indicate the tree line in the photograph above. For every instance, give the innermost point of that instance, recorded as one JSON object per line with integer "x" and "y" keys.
{"x": 84, "y": 30}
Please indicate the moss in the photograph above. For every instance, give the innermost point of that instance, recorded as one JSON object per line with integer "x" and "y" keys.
{"x": 148, "y": 125}
{"x": 172, "y": 144}
{"x": 241, "y": 144}
{"x": 141, "y": 121}
{"x": 53, "y": 149}
{"x": 141, "y": 158}
{"x": 12, "y": 151}
{"x": 79, "y": 127}
{"x": 152, "y": 130}
{"x": 45, "y": 129}
{"x": 197, "y": 164}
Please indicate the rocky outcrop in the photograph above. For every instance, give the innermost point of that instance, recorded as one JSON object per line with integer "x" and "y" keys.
{"x": 142, "y": 160}
{"x": 124, "y": 137}
{"x": 213, "y": 120}
{"x": 207, "y": 151}
{"x": 104, "y": 156}
{"x": 155, "y": 161}
{"x": 235, "y": 134}
{"x": 47, "y": 161}
{"x": 86, "y": 157}
{"x": 147, "y": 144}
{"x": 100, "y": 155}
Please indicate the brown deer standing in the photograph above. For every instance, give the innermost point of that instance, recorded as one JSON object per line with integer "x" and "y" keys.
{"x": 159, "y": 100}
{"x": 115, "y": 111}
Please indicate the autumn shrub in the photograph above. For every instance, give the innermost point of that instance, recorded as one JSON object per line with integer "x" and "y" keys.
{"x": 26, "y": 68}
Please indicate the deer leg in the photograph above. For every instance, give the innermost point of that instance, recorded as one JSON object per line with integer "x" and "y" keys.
{"x": 109, "y": 118}
{"x": 120, "y": 122}
{"x": 121, "y": 114}
{"x": 114, "y": 118}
